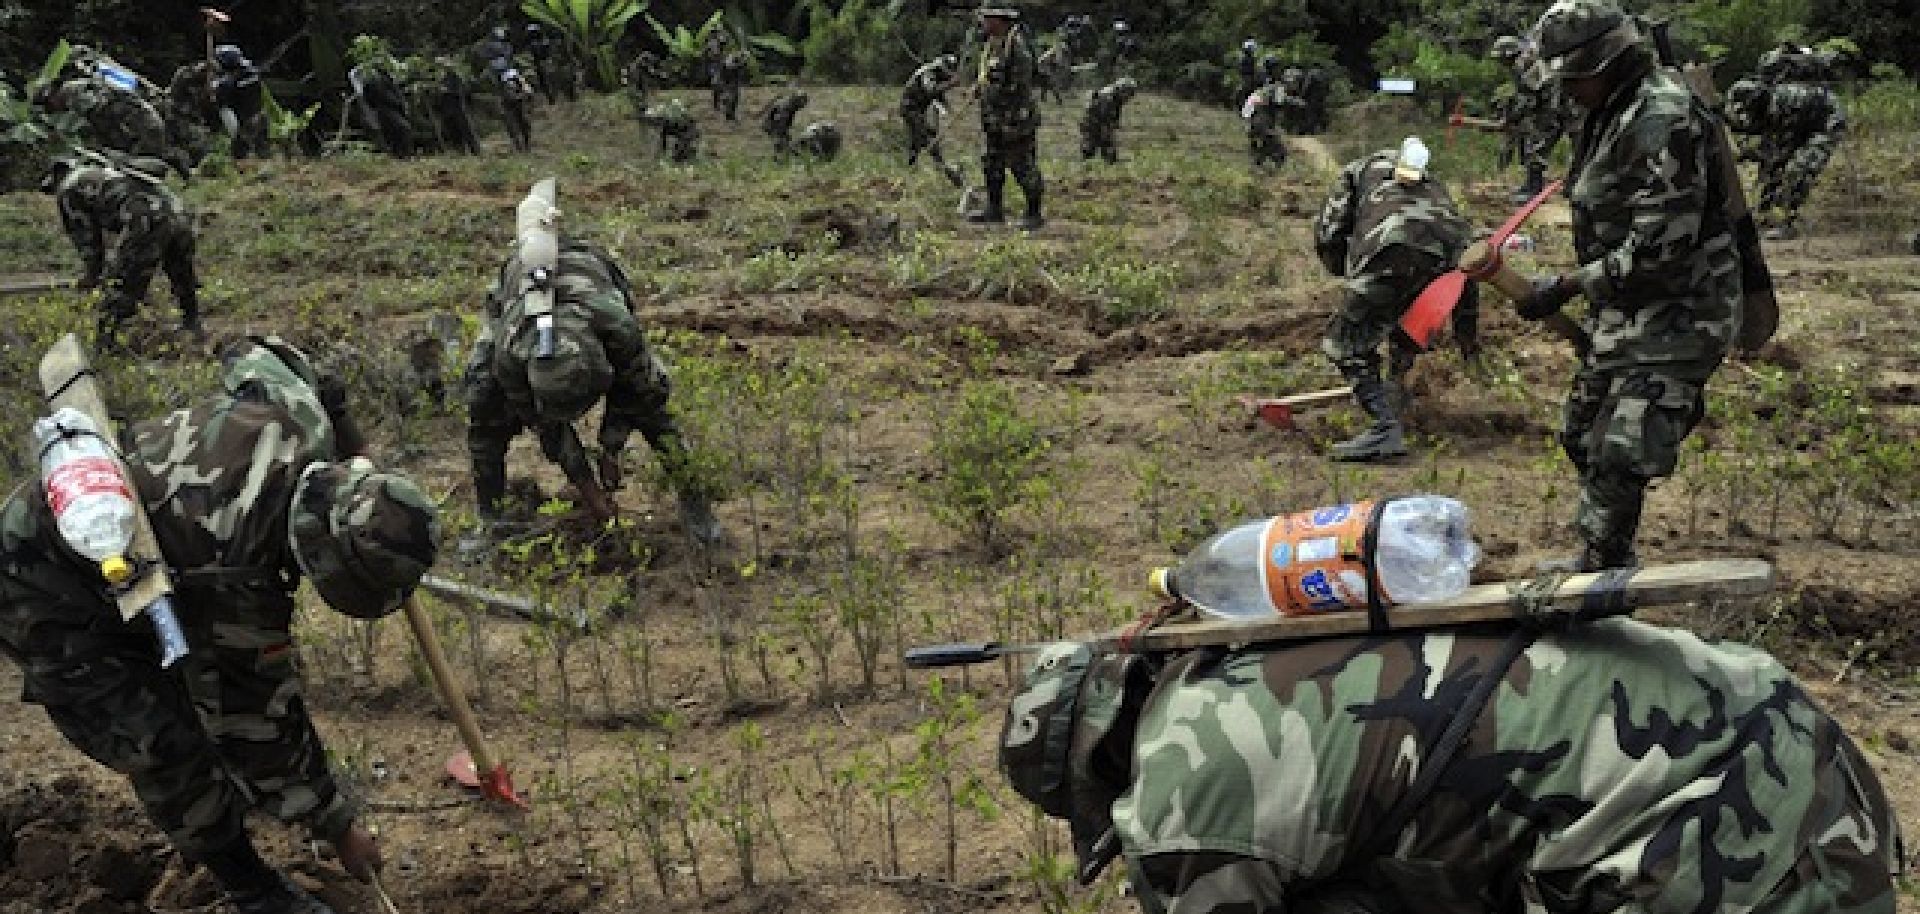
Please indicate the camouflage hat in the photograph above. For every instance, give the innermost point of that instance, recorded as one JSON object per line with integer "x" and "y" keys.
{"x": 1506, "y": 47}
{"x": 1580, "y": 37}
{"x": 362, "y": 537}
{"x": 569, "y": 380}
{"x": 1039, "y": 730}
{"x": 1745, "y": 92}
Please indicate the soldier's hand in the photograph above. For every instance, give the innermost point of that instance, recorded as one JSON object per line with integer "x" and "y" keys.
{"x": 359, "y": 853}
{"x": 1549, "y": 295}
{"x": 610, "y": 475}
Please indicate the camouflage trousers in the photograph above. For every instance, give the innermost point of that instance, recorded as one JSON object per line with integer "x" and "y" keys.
{"x": 1267, "y": 146}
{"x": 1098, "y": 138}
{"x": 151, "y": 243}
{"x": 1012, "y": 151}
{"x": 1374, "y": 302}
{"x": 1534, "y": 146}
{"x": 1785, "y": 186}
{"x": 726, "y": 97}
{"x": 1856, "y": 853}
{"x": 492, "y": 424}
{"x": 223, "y": 732}
{"x": 1623, "y": 428}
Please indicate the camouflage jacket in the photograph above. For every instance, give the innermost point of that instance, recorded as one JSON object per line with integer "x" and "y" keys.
{"x": 1369, "y": 211}
{"x": 1532, "y": 106}
{"x": 591, "y": 292}
{"x": 114, "y": 118}
{"x": 97, "y": 201}
{"x": 779, "y": 115}
{"x": 1006, "y": 85}
{"x": 1263, "y": 107}
{"x": 1657, "y": 259}
{"x": 1104, "y": 105}
{"x": 927, "y": 85}
{"x": 1796, "y": 114}
{"x": 1619, "y": 767}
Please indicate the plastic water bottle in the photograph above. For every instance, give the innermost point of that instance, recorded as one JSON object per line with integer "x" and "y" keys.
{"x": 93, "y": 509}
{"x": 1314, "y": 561}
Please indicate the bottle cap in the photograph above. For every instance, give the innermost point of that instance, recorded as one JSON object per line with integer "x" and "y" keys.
{"x": 1160, "y": 581}
{"x": 116, "y": 569}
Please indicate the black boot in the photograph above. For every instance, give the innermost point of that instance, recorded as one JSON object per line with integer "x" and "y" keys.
{"x": 1385, "y": 438}
{"x": 1033, "y": 221}
{"x": 994, "y": 212}
{"x": 190, "y": 314}
{"x": 254, "y": 887}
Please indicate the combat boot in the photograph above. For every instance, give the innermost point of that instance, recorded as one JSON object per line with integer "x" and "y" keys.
{"x": 190, "y": 316}
{"x": 696, "y": 515}
{"x": 993, "y": 212}
{"x": 1384, "y": 439}
{"x": 1032, "y": 221}
{"x": 255, "y": 887}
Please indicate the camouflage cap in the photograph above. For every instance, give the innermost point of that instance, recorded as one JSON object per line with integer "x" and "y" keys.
{"x": 1039, "y": 730}
{"x": 567, "y": 382}
{"x": 362, "y": 537}
{"x": 1580, "y": 37}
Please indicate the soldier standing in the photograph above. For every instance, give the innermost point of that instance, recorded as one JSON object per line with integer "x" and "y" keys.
{"x": 544, "y": 371}
{"x": 552, "y": 64}
{"x": 1262, "y": 113}
{"x": 511, "y": 86}
{"x": 639, "y": 76}
{"x": 1249, "y": 70}
{"x": 1658, "y": 267}
{"x": 1387, "y": 230}
{"x": 1615, "y": 766}
{"x": 726, "y": 72}
{"x": 1054, "y": 72}
{"x": 923, "y": 107}
{"x": 777, "y": 119}
{"x": 237, "y": 96}
{"x": 1009, "y": 118}
{"x": 1100, "y": 125}
{"x": 382, "y": 104}
{"x": 450, "y": 96}
{"x": 248, "y": 491}
{"x": 126, "y": 201}
{"x": 1798, "y": 125}
{"x": 1532, "y": 113}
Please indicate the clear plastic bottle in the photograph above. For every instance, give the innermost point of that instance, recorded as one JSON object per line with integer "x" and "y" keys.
{"x": 93, "y": 509}
{"x": 1309, "y": 562}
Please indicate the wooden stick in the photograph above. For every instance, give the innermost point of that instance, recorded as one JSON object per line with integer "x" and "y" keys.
{"x": 1484, "y": 264}
{"x": 386, "y": 901}
{"x": 22, "y": 285}
{"x": 496, "y": 602}
{"x": 1601, "y": 594}
{"x": 450, "y": 693}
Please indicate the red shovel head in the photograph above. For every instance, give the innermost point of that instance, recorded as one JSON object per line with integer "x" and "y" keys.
{"x": 1430, "y": 310}
{"x": 494, "y": 785}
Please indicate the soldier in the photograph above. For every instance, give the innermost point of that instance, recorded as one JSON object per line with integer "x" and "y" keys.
{"x": 1387, "y": 230}
{"x": 1797, "y": 125}
{"x": 381, "y": 103}
{"x": 923, "y": 105}
{"x": 820, "y": 140}
{"x": 237, "y": 96}
{"x": 125, "y": 200}
{"x": 1658, "y": 267}
{"x": 190, "y": 110}
{"x": 777, "y": 119}
{"x": 450, "y": 109}
{"x": 1121, "y": 48}
{"x": 638, "y": 76}
{"x": 1794, "y": 63}
{"x": 1053, "y": 72}
{"x": 545, "y": 372}
{"x": 1262, "y": 113}
{"x": 1532, "y": 113}
{"x": 1101, "y": 122}
{"x": 1295, "y": 118}
{"x": 1315, "y": 86}
{"x": 1249, "y": 70}
{"x": 248, "y": 491}
{"x": 511, "y": 86}
{"x": 679, "y": 134}
{"x": 1009, "y": 118}
{"x": 118, "y": 119}
{"x": 727, "y": 72}
{"x": 1612, "y": 766}
{"x": 552, "y": 64}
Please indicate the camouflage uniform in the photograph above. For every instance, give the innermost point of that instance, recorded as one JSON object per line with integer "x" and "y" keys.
{"x": 821, "y": 140}
{"x": 116, "y": 119}
{"x": 1798, "y": 125}
{"x": 777, "y": 119}
{"x": 1101, "y": 122}
{"x": 190, "y": 110}
{"x": 1262, "y": 111}
{"x": 679, "y": 134}
{"x": 1009, "y": 124}
{"x": 1791, "y": 63}
{"x": 237, "y": 93}
{"x": 1617, "y": 767}
{"x": 510, "y": 85}
{"x": 229, "y": 484}
{"x": 383, "y": 107}
{"x": 450, "y": 109}
{"x": 592, "y": 309}
{"x": 729, "y": 74}
{"x": 643, "y": 71}
{"x": 1661, "y": 276}
{"x": 1053, "y": 72}
{"x": 1535, "y": 117}
{"x": 1249, "y": 71}
{"x": 150, "y": 229}
{"x": 926, "y": 88}
{"x": 552, "y": 64}
{"x": 1387, "y": 238}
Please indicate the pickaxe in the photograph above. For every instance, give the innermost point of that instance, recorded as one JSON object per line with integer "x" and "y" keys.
{"x": 1278, "y": 411}
{"x": 1481, "y": 262}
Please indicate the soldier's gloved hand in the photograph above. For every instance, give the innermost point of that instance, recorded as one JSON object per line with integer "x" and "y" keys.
{"x": 608, "y": 465}
{"x": 359, "y": 852}
{"x": 1549, "y": 295}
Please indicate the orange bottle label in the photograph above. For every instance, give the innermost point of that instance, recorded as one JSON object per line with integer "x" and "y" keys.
{"x": 1314, "y": 561}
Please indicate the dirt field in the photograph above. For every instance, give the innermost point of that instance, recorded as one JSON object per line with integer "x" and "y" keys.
{"x": 715, "y": 742}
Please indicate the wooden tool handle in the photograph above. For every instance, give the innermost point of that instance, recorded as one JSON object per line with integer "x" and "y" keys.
{"x": 1484, "y": 264}
{"x": 456, "y": 700}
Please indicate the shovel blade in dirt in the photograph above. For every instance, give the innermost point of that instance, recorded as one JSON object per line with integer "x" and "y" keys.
{"x": 1278, "y": 411}
{"x": 494, "y": 784}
